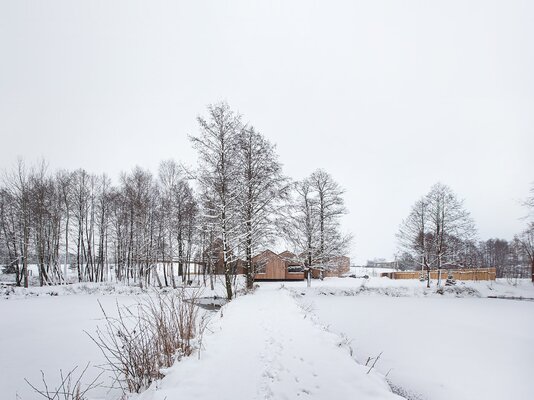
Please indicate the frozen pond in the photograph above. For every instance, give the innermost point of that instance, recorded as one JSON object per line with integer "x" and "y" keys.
{"x": 440, "y": 348}
{"x": 47, "y": 333}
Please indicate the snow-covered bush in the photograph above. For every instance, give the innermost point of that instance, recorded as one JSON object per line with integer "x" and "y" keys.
{"x": 69, "y": 387}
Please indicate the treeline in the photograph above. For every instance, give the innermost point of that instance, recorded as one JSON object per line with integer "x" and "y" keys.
{"x": 510, "y": 258}
{"x": 151, "y": 228}
{"x": 440, "y": 233}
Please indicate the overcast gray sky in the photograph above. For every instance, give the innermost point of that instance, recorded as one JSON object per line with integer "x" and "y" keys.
{"x": 388, "y": 96}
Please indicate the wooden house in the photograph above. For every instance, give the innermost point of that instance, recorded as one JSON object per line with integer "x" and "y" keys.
{"x": 269, "y": 266}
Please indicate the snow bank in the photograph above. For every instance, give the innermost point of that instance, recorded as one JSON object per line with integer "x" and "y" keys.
{"x": 8, "y": 291}
{"x": 101, "y": 289}
{"x": 412, "y": 288}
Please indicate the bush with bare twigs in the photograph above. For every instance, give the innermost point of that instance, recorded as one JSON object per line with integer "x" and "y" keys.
{"x": 70, "y": 386}
{"x": 148, "y": 337}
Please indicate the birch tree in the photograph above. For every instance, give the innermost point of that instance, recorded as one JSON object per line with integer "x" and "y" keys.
{"x": 184, "y": 220}
{"x": 414, "y": 237}
{"x": 448, "y": 221}
{"x": 64, "y": 181}
{"x": 169, "y": 178}
{"x": 312, "y": 224}
{"x": 9, "y": 220}
{"x": 437, "y": 229}
{"x": 262, "y": 189}
{"x": 526, "y": 238}
{"x": 330, "y": 208}
{"x": 526, "y": 241}
{"x": 18, "y": 190}
{"x": 301, "y": 223}
{"x": 217, "y": 147}
{"x": 140, "y": 197}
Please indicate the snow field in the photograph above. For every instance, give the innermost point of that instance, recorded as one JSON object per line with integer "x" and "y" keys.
{"x": 47, "y": 333}
{"x": 439, "y": 348}
{"x": 458, "y": 345}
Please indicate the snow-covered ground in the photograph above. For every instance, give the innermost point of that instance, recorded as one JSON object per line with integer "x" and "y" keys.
{"x": 414, "y": 288}
{"x": 47, "y": 333}
{"x": 264, "y": 347}
{"x": 43, "y": 328}
{"x": 455, "y": 345}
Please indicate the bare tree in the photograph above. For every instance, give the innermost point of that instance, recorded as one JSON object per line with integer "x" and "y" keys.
{"x": 526, "y": 238}
{"x": 64, "y": 181}
{"x": 413, "y": 235}
{"x": 301, "y": 223}
{"x": 262, "y": 187}
{"x": 9, "y": 220}
{"x": 169, "y": 178}
{"x": 526, "y": 242}
{"x": 529, "y": 202}
{"x": 103, "y": 211}
{"x": 18, "y": 189}
{"x": 437, "y": 229}
{"x": 217, "y": 147}
{"x": 140, "y": 196}
{"x": 311, "y": 223}
{"x": 330, "y": 208}
{"x": 185, "y": 219}
{"x": 448, "y": 220}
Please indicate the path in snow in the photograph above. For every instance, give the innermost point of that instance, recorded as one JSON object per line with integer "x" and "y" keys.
{"x": 264, "y": 348}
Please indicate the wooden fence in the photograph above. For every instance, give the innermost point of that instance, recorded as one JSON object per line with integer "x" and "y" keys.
{"x": 468, "y": 274}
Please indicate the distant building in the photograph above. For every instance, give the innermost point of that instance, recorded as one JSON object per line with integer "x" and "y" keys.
{"x": 382, "y": 263}
{"x": 286, "y": 265}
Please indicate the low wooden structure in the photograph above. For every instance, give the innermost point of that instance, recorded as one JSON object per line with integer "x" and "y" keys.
{"x": 335, "y": 267}
{"x": 467, "y": 274}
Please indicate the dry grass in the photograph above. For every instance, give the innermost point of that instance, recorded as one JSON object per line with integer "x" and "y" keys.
{"x": 142, "y": 340}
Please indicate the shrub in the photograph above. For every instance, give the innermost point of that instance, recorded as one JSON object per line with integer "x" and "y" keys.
{"x": 69, "y": 388}
{"x": 144, "y": 339}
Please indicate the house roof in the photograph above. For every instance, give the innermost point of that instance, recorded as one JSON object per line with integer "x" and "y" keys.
{"x": 265, "y": 255}
{"x": 289, "y": 257}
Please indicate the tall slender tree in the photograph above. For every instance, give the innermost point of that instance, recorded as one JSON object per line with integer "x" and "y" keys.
{"x": 262, "y": 187}
{"x": 330, "y": 207}
{"x": 217, "y": 147}
{"x": 414, "y": 235}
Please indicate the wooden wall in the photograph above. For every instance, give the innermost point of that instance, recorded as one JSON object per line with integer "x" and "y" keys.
{"x": 478, "y": 274}
{"x": 275, "y": 266}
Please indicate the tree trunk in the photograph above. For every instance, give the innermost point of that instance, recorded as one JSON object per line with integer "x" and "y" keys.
{"x": 250, "y": 271}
